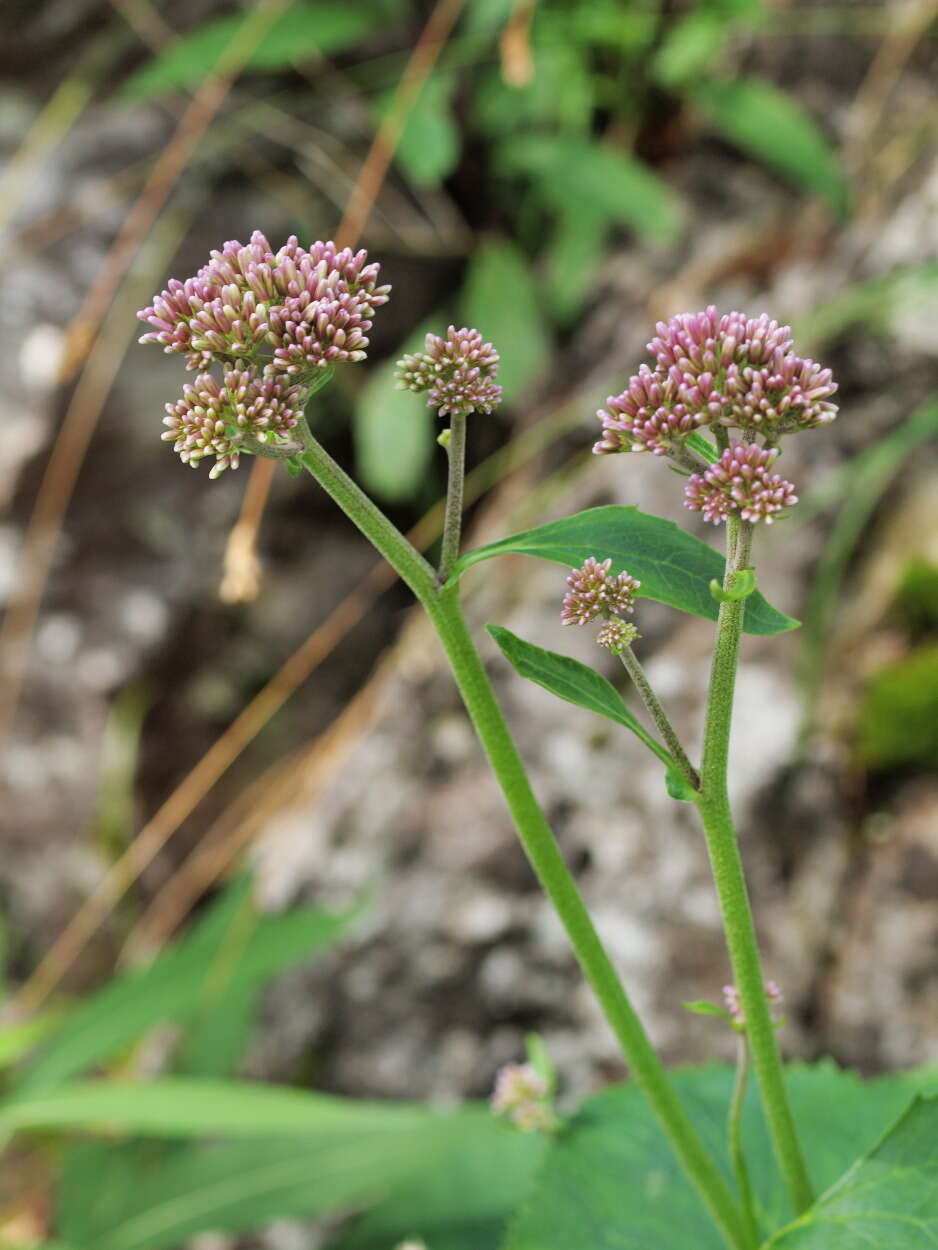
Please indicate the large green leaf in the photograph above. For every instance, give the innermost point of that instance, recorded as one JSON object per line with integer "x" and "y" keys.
{"x": 768, "y": 124}
{"x": 613, "y": 182}
{"x": 673, "y": 567}
{"x": 500, "y": 299}
{"x": 394, "y": 431}
{"x": 307, "y": 28}
{"x": 889, "y": 1198}
{"x": 575, "y": 683}
{"x": 462, "y": 1163}
{"x": 610, "y": 1181}
{"x": 232, "y": 947}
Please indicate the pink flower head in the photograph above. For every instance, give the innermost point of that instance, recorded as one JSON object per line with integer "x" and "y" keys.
{"x": 616, "y": 635}
{"x": 716, "y": 369}
{"x": 733, "y": 1005}
{"x": 740, "y": 483}
{"x": 458, "y": 372}
{"x": 593, "y": 593}
{"x": 213, "y": 419}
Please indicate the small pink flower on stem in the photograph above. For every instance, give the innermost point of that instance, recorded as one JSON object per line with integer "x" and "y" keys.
{"x": 458, "y": 372}
{"x": 594, "y": 594}
{"x": 740, "y": 483}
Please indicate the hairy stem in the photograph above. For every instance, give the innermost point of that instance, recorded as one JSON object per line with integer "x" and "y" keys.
{"x": 445, "y": 613}
{"x": 659, "y": 716}
{"x": 735, "y": 1132}
{"x": 452, "y": 524}
{"x": 730, "y": 881}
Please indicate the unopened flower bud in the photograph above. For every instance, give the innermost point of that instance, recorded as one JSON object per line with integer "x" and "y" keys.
{"x": 740, "y": 483}
{"x": 594, "y": 594}
{"x": 457, "y": 372}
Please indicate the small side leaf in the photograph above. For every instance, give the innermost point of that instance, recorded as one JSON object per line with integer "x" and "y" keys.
{"x": 702, "y": 1008}
{"x": 573, "y": 682}
{"x": 673, "y": 567}
{"x": 745, "y": 585}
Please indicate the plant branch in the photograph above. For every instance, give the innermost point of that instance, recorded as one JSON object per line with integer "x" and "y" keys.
{"x": 735, "y": 1131}
{"x": 659, "y": 716}
{"x": 452, "y": 523}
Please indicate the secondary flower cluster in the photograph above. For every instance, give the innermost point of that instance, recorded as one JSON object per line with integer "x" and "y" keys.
{"x": 522, "y": 1095}
{"x": 276, "y": 322}
{"x": 458, "y": 372}
{"x": 595, "y": 595}
{"x": 726, "y": 372}
{"x": 733, "y": 1005}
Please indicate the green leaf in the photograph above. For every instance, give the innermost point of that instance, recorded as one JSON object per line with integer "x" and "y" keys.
{"x": 187, "y": 1107}
{"x": 306, "y": 29}
{"x": 623, "y": 189}
{"x": 888, "y": 1198}
{"x": 702, "y": 1008}
{"x": 428, "y": 148}
{"x": 673, "y": 567}
{"x": 744, "y": 587}
{"x": 463, "y": 1199}
{"x": 609, "y": 1180}
{"x": 500, "y": 299}
{"x": 574, "y": 254}
{"x": 573, "y": 682}
{"x": 772, "y": 126}
{"x": 232, "y": 946}
{"x": 462, "y": 1161}
{"x": 678, "y": 788}
{"x": 703, "y": 447}
{"x": 691, "y": 45}
{"x": 394, "y": 430}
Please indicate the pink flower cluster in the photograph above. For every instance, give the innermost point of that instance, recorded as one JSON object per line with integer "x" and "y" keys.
{"x": 725, "y": 371}
{"x": 594, "y": 595}
{"x": 275, "y": 320}
{"x": 212, "y": 419}
{"x": 309, "y": 308}
{"x": 458, "y": 372}
{"x": 740, "y": 482}
{"x": 731, "y": 1001}
{"x": 713, "y": 369}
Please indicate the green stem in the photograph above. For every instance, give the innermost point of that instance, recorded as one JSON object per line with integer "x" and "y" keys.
{"x": 659, "y": 716}
{"x": 452, "y": 523}
{"x": 445, "y": 613}
{"x": 735, "y": 1128}
{"x": 730, "y": 881}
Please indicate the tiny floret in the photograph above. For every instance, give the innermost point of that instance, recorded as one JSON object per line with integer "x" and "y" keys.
{"x": 594, "y": 594}
{"x": 616, "y": 635}
{"x": 457, "y": 372}
{"x": 522, "y": 1095}
{"x": 215, "y": 419}
{"x": 741, "y": 484}
{"x": 733, "y": 1004}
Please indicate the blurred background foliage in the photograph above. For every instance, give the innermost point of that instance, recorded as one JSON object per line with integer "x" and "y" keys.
{"x": 560, "y": 174}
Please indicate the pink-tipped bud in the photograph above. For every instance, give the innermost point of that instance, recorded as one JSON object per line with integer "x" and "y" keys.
{"x": 458, "y": 372}
{"x": 594, "y": 594}
{"x": 740, "y": 483}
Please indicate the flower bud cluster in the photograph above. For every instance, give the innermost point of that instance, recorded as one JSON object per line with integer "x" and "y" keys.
{"x": 740, "y": 482}
{"x": 213, "y": 419}
{"x": 458, "y": 372}
{"x": 523, "y": 1096}
{"x": 595, "y": 595}
{"x": 275, "y": 320}
{"x": 720, "y": 371}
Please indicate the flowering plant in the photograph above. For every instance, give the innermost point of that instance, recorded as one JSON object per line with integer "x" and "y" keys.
{"x": 721, "y": 395}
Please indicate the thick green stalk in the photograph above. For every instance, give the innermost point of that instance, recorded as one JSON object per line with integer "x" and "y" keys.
{"x": 730, "y": 881}
{"x": 452, "y": 522}
{"x": 444, "y": 611}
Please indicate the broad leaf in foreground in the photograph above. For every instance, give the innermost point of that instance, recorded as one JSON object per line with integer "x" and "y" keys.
{"x": 610, "y": 1182}
{"x": 888, "y": 1198}
{"x": 673, "y": 567}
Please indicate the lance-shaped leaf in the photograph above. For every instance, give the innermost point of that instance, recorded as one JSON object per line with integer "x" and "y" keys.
{"x": 673, "y": 567}
{"x": 575, "y": 683}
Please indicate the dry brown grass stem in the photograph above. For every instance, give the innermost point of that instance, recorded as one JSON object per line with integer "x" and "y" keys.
{"x": 74, "y": 436}
{"x": 241, "y": 562}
